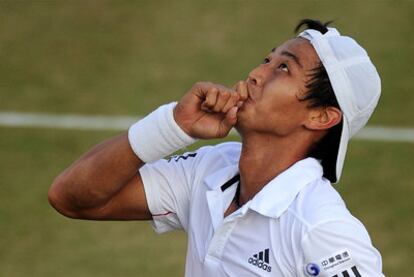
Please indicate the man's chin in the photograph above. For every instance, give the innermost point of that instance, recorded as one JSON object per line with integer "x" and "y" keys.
{"x": 240, "y": 128}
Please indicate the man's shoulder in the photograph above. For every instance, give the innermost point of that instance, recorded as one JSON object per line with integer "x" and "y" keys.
{"x": 331, "y": 237}
{"x": 227, "y": 152}
{"x": 205, "y": 161}
{"x": 229, "y": 147}
{"x": 319, "y": 209}
{"x": 319, "y": 202}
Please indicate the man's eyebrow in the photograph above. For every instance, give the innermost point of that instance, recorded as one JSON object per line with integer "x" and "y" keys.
{"x": 291, "y": 55}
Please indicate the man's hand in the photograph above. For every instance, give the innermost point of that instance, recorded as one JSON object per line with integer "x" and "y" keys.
{"x": 209, "y": 110}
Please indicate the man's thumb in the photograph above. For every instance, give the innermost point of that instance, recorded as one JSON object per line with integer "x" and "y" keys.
{"x": 231, "y": 118}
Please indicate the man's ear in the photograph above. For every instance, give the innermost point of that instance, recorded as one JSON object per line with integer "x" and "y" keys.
{"x": 323, "y": 118}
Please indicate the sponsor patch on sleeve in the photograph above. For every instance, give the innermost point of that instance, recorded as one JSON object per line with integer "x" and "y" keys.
{"x": 330, "y": 264}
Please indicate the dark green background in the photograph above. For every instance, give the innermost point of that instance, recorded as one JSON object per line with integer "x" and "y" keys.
{"x": 128, "y": 57}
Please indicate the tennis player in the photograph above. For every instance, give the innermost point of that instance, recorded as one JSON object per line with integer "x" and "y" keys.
{"x": 262, "y": 207}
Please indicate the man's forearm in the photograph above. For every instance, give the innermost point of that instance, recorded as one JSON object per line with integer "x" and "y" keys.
{"x": 105, "y": 183}
{"x": 97, "y": 176}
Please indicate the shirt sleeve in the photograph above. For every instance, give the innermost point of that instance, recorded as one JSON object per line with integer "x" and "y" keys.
{"x": 168, "y": 184}
{"x": 339, "y": 248}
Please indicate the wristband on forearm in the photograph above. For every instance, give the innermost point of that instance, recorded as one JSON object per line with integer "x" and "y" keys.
{"x": 158, "y": 135}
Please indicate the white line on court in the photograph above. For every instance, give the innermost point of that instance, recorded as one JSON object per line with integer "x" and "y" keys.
{"x": 101, "y": 122}
{"x": 66, "y": 121}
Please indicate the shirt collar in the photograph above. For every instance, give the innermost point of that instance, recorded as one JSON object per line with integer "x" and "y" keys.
{"x": 274, "y": 198}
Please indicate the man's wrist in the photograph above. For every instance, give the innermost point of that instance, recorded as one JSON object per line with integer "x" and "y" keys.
{"x": 158, "y": 135}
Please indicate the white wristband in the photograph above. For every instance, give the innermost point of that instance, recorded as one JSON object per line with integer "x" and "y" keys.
{"x": 158, "y": 135}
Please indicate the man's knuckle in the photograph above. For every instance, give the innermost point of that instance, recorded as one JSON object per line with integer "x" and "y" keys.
{"x": 225, "y": 94}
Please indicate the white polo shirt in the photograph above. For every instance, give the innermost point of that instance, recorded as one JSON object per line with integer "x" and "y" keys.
{"x": 297, "y": 225}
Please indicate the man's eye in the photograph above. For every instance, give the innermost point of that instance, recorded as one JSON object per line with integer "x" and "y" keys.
{"x": 266, "y": 60}
{"x": 284, "y": 67}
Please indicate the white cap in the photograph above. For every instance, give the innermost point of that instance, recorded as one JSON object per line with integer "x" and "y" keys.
{"x": 354, "y": 79}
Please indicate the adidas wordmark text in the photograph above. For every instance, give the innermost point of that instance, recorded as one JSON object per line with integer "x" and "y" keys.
{"x": 261, "y": 260}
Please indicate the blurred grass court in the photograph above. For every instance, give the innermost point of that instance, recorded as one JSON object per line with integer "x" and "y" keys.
{"x": 127, "y": 58}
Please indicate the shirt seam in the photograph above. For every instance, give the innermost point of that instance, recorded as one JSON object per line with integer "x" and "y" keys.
{"x": 300, "y": 218}
{"x": 150, "y": 194}
{"x": 318, "y": 225}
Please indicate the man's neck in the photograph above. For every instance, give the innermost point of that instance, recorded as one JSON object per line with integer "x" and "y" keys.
{"x": 263, "y": 157}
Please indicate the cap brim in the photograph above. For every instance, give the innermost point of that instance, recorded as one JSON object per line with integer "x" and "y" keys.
{"x": 343, "y": 146}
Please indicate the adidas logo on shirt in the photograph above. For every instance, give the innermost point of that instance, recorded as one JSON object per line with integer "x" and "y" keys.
{"x": 261, "y": 260}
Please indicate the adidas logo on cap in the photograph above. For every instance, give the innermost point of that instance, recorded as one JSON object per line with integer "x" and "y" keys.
{"x": 261, "y": 260}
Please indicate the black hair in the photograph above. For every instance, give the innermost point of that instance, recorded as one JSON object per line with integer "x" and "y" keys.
{"x": 313, "y": 24}
{"x": 321, "y": 94}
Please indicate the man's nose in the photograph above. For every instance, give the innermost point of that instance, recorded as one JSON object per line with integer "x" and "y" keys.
{"x": 256, "y": 77}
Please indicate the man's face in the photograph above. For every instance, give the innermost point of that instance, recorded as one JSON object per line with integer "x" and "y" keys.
{"x": 275, "y": 89}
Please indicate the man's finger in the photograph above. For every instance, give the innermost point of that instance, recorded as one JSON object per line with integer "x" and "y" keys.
{"x": 211, "y": 98}
{"x": 231, "y": 102}
{"x": 241, "y": 88}
{"x": 230, "y": 119}
{"x": 222, "y": 97}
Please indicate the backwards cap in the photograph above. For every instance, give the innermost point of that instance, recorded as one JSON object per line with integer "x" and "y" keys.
{"x": 354, "y": 79}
